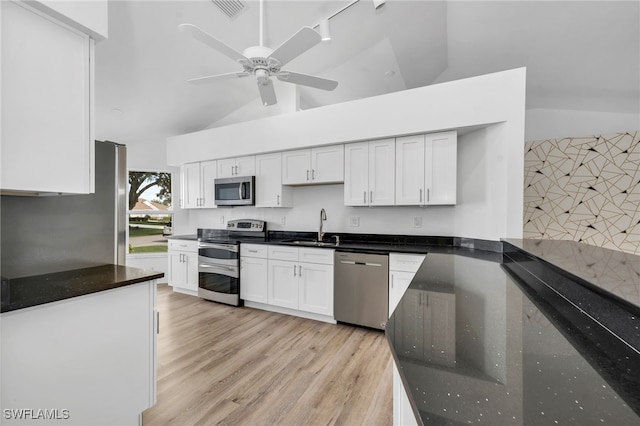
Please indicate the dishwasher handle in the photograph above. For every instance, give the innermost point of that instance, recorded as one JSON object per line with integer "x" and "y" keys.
{"x": 353, "y": 262}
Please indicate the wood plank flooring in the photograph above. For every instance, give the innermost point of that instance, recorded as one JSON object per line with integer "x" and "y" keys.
{"x": 241, "y": 366}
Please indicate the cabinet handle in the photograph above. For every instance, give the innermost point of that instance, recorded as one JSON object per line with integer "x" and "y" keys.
{"x": 236, "y": 170}
{"x": 420, "y": 195}
{"x": 252, "y": 251}
{"x": 278, "y": 199}
{"x": 391, "y": 281}
{"x": 364, "y": 199}
{"x": 232, "y": 171}
{"x": 294, "y": 270}
{"x": 313, "y": 174}
{"x": 300, "y": 270}
{"x": 307, "y": 174}
{"x": 370, "y": 197}
{"x": 427, "y": 194}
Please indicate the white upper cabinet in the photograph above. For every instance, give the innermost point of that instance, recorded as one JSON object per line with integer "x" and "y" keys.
{"x": 426, "y": 168}
{"x": 239, "y": 166}
{"x": 370, "y": 173}
{"x": 47, "y": 104}
{"x": 269, "y": 189}
{"x": 313, "y": 166}
{"x": 197, "y": 185}
{"x": 441, "y": 164}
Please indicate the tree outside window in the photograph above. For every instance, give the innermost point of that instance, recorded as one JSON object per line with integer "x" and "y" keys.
{"x": 150, "y": 211}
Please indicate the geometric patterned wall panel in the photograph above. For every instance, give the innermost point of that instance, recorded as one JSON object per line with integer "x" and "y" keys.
{"x": 584, "y": 189}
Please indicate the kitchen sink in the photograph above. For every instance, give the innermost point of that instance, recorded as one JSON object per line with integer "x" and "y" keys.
{"x": 313, "y": 243}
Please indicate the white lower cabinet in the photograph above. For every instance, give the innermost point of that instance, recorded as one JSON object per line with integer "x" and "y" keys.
{"x": 292, "y": 280}
{"x": 92, "y": 357}
{"x": 402, "y": 269}
{"x": 315, "y": 288}
{"x": 402, "y": 412}
{"x": 182, "y": 274}
{"x": 282, "y": 283}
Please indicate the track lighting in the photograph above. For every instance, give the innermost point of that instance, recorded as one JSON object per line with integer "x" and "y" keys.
{"x": 324, "y": 30}
{"x": 378, "y": 3}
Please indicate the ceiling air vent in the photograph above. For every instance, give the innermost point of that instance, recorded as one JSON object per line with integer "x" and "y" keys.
{"x": 231, "y": 8}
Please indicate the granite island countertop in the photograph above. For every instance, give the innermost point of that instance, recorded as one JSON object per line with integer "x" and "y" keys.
{"x": 25, "y": 292}
{"x": 476, "y": 340}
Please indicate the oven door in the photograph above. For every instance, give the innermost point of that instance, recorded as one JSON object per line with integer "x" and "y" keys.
{"x": 218, "y": 273}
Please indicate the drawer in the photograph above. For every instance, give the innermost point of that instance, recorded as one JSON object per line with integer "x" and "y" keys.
{"x": 283, "y": 253}
{"x": 316, "y": 255}
{"x": 183, "y": 245}
{"x": 405, "y": 262}
{"x": 254, "y": 250}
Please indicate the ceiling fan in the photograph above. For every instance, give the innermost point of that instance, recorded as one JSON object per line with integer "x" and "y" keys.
{"x": 264, "y": 62}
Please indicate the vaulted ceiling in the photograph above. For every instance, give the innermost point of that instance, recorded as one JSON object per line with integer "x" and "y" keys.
{"x": 581, "y": 55}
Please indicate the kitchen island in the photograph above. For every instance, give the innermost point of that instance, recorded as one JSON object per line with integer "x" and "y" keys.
{"x": 79, "y": 346}
{"x": 480, "y": 338}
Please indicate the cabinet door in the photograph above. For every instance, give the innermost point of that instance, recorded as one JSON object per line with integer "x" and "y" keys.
{"x": 191, "y": 178}
{"x": 296, "y": 167}
{"x": 226, "y": 167}
{"x": 441, "y": 168}
{"x": 398, "y": 284}
{"x": 208, "y": 174}
{"x": 191, "y": 280}
{"x": 410, "y": 171}
{"x": 269, "y": 189}
{"x": 177, "y": 273}
{"x": 356, "y": 174}
{"x": 246, "y": 166}
{"x": 382, "y": 167}
{"x": 327, "y": 164}
{"x": 253, "y": 279}
{"x": 315, "y": 283}
{"x": 47, "y": 107}
{"x": 282, "y": 284}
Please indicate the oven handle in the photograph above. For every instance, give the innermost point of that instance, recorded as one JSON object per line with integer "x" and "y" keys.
{"x": 229, "y": 271}
{"x": 227, "y": 247}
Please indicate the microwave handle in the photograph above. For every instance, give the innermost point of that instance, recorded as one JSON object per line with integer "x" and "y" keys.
{"x": 240, "y": 190}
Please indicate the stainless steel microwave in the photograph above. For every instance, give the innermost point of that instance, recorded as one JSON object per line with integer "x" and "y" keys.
{"x": 235, "y": 191}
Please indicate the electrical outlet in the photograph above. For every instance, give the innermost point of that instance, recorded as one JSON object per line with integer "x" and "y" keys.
{"x": 283, "y": 220}
{"x": 417, "y": 222}
{"x": 354, "y": 221}
{"x": 221, "y": 220}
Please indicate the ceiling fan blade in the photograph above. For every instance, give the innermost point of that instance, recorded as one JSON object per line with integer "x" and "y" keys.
{"x": 211, "y": 41}
{"x": 299, "y": 43}
{"x": 218, "y": 77}
{"x": 307, "y": 80}
{"x": 267, "y": 93}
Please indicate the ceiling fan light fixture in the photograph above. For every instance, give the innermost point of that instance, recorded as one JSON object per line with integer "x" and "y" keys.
{"x": 324, "y": 30}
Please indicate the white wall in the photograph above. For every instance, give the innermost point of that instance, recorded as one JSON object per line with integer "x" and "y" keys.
{"x": 542, "y": 124}
{"x": 476, "y": 102}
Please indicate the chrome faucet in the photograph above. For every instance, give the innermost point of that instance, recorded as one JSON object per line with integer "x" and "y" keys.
{"x": 323, "y": 216}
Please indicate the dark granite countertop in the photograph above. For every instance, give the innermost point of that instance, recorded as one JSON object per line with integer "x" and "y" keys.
{"x": 614, "y": 272}
{"x": 25, "y": 292}
{"x": 478, "y": 340}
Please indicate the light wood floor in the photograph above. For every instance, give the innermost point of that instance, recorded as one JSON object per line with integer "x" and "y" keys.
{"x": 240, "y": 366}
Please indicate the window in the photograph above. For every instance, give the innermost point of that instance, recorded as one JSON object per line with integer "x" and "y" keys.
{"x": 150, "y": 211}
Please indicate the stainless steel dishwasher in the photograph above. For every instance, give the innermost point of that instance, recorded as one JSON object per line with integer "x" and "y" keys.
{"x": 361, "y": 290}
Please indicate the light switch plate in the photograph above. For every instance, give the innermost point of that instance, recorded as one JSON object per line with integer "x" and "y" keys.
{"x": 354, "y": 221}
{"x": 283, "y": 220}
{"x": 221, "y": 220}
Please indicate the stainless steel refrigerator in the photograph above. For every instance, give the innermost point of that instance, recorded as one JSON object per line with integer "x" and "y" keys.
{"x": 57, "y": 233}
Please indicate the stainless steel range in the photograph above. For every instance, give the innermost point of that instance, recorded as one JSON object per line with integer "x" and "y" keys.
{"x": 219, "y": 258}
